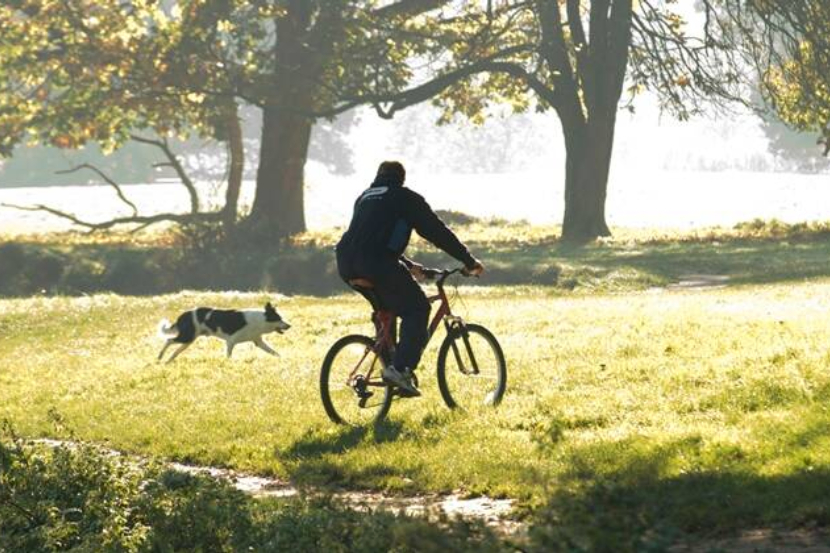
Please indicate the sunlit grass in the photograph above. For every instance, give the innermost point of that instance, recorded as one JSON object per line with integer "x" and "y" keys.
{"x": 648, "y": 390}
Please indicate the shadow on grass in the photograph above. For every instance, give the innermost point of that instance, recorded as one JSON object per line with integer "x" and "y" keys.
{"x": 630, "y": 495}
{"x": 312, "y": 458}
{"x": 781, "y": 254}
{"x": 314, "y": 443}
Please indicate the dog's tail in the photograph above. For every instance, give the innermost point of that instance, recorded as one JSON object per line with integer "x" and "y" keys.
{"x": 167, "y": 329}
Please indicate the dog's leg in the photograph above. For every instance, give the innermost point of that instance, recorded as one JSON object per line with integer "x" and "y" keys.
{"x": 178, "y": 351}
{"x": 260, "y": 343}
{"x": 166, "y": 345}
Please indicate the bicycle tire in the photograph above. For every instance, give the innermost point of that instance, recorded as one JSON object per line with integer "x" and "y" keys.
{"x": 337, "y": 410}
{"x": 497, "y": 365}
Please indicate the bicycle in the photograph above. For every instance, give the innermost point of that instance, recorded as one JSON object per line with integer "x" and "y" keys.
{"x": 351, "y": 386}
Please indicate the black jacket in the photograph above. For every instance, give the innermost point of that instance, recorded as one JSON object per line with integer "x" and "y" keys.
{"x": 384, "y": 218}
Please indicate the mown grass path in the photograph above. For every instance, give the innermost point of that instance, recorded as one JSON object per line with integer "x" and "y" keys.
{"x": 708, "y": 410}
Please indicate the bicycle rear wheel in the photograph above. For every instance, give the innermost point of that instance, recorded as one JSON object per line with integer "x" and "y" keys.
{"x": 351, "y": 387}
{"x": 471, "y": 368}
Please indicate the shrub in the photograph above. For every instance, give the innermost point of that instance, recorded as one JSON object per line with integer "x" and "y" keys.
{"x": 23, "y": 271}
{"x": 132, "y": 273}
{"x": 84, "y": 498}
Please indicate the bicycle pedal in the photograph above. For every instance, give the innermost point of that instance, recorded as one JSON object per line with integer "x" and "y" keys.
{"x": 363, "y": 399}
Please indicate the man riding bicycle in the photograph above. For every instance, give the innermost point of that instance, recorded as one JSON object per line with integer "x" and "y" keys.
{"x": 371, "y": 252}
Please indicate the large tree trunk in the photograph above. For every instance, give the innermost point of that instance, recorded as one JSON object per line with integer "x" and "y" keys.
{"x": 588, "y": 149}
{"x": 586, "y": 92}
{"x": 279, "y": 205}
{"x": 306, "y": 36}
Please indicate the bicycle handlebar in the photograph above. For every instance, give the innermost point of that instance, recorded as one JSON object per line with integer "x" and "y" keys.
{"x": 440, "y": 275}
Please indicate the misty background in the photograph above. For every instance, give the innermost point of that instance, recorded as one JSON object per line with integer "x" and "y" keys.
{"x": 716, "y": 169}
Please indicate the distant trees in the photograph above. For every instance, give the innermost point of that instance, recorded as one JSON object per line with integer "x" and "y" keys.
{"x": 73, "y": 71}
{"x": 794, "y": 150}
{"x": 789, "y": 44}
{"x": 501, "y": 143}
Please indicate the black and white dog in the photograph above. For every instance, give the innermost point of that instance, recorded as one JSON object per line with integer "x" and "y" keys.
{"x": 229, "y": 324}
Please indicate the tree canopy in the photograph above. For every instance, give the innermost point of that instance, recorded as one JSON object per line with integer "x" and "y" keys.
{"x": 789, "y": 44}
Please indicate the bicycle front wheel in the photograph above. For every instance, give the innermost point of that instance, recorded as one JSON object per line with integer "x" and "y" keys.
{"x": 351, "y": 386}
{"x": 471, "y": 368}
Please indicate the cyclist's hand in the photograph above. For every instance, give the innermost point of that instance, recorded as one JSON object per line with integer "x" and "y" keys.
{"x": 476, "y": 270}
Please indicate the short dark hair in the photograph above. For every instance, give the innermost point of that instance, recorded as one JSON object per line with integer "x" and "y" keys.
{"x": 391, "y": 173}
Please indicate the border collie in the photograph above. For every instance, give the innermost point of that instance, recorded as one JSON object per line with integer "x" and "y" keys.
{"x": 229, "y": 324}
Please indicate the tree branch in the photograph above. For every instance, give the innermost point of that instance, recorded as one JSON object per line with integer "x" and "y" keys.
{"x": 107, "y": 179}
{"x": 174, "y": 163}
{"x": 408, "y": 8}
{"x": 554, "y": 50}
{"x": 143, "y": 220}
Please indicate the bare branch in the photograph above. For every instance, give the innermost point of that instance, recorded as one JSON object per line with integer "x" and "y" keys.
{"x": 107, "y": 179}
{"x": 408, "y": 8}
{"x": 143, "y": 220}
{"x": 173, "y": 162}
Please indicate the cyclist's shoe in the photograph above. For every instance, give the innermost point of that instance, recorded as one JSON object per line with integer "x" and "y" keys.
{"x": 403, "y": 379}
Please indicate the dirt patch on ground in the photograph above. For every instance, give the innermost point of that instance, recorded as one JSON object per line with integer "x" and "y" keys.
{"x": 700, "y": 282}
{"x": 494, "y": 512}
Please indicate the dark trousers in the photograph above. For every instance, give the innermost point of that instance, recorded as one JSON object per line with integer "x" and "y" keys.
{"x": 398, "y": 292}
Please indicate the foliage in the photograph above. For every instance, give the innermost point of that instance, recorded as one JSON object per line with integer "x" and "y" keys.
{"x": 81, "y": 497}
{"x": 789, "y": 45}
{"x": 83, "y": 71}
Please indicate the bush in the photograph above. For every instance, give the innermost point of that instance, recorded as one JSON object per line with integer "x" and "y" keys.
{"x": 83, "y": 276}
{"x": 24, "y": 271}
{"x": 88, "y": 499}
{"x": 132, "y": 273}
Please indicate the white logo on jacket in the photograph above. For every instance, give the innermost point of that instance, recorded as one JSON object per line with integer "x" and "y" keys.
{"x": 373, "y": 193}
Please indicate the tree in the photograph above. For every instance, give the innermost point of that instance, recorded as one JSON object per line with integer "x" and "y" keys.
{"x": 582, "y": 55}
{"x": 789, "y": 44}
{"x": 73, "y": 72}
{"x": 798, "y": 150}
{"x": 174, "y": 67}
{"x": 330, "y": 57}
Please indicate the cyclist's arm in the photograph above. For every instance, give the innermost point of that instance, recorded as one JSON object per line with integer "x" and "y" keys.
{"x": 430, "y": 227}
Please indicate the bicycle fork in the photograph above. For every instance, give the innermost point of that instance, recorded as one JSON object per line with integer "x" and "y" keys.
{"x": 456, "y": 324}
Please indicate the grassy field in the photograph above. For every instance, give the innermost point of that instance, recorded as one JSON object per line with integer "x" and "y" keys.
{"x": 704, "y": 411}
{"x": 515, "y": 253}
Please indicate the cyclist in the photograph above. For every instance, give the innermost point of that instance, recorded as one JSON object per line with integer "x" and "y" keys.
{"x": 372, "y": 249}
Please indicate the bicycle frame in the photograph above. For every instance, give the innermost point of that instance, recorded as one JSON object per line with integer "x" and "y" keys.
{"x": 384, "y": 339}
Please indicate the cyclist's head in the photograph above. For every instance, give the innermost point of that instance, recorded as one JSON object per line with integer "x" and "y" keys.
{"x": 390, "y": 173}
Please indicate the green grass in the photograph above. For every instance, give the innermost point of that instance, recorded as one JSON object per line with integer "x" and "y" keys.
{"x": 515, "y": 254}
{"x": 633, "y": 413}
{"x": 706, "y": 411}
